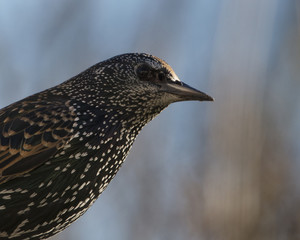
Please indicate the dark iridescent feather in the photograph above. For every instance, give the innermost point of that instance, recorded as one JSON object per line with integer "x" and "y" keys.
{"x": 32, "y": 136}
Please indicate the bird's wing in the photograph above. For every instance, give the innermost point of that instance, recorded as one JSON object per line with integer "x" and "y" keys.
{"x": 30, "y": 133}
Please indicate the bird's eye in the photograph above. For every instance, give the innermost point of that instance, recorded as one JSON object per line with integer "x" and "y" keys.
{"x": 146, "y": 73}
{"x": 161, "y": 76}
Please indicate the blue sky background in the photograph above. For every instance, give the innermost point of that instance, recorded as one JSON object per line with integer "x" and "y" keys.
{"x": 222, "y": 170}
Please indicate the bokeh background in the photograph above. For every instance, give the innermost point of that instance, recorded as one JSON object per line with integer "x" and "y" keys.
{"x": 227, "y": 170}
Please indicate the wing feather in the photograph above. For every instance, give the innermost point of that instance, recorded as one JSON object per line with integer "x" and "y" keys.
{"x": 30, "y": 133}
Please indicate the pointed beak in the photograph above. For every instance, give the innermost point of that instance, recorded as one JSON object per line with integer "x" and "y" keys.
{"x": 185, "y": 92}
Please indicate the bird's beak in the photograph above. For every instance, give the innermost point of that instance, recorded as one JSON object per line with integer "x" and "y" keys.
{"x": 185, "y": 92}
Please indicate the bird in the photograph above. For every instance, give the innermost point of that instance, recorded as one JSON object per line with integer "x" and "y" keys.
{"x": 60, "y": 148}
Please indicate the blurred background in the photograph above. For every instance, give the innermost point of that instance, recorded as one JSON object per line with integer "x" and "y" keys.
{"x": 226, "y": 170}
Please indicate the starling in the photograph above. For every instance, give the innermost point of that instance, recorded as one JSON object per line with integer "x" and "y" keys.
{"x": 61, "y": 147}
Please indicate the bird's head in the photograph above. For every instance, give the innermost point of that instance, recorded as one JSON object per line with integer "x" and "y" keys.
{"x": 135, "y": 82}
{"x": 140, "y": 77}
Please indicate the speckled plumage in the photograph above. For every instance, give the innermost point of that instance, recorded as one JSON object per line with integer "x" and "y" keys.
{"x": 60, "y": 148}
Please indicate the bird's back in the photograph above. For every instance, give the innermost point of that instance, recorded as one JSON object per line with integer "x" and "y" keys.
{"x": 55, "y": 159}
